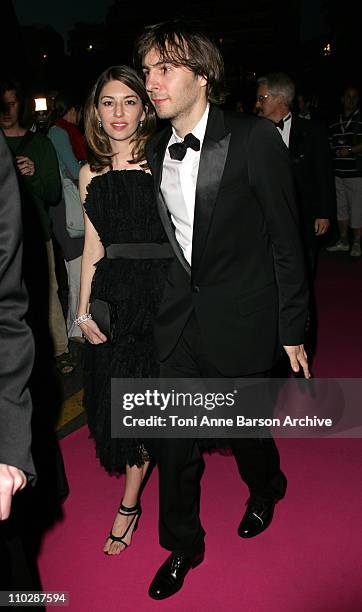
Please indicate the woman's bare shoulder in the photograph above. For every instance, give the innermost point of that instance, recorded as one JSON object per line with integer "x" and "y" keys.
{"x": 86, "y": 174}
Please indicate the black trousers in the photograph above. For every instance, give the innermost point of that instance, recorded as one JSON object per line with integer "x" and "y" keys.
{"x": 181, "y": 464}
{"x": 17, "y": 559}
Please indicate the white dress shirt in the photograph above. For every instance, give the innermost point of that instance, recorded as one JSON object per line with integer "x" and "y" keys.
{"x": 285, "y": 132}
{"x": 178, "y": 186}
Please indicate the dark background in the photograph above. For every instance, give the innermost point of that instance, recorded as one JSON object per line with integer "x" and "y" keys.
{"x": 47, "y": 45}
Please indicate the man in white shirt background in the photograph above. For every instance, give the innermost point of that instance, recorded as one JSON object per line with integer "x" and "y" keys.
{"x": 308, "y": 145}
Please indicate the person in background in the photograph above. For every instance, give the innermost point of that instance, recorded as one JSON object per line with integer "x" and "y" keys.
{"x": 40, "y": 186}
{"x": 308, "y": 108}
{"x": 345, "y": 136}
{"x": 303, "y": 102}
{"x": 66, "y": 115}
{"x": 307, "y": 142}
{"x": 70, "y": 147}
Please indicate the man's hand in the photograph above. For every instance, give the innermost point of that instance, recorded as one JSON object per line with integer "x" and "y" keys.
{"x": 321, "y": 226}
{"x": 26, "y": 165}
{"x": 11, "y": 480}
{"x": 298, "y": 356}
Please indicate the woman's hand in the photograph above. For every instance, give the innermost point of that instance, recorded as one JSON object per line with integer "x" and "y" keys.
{"x": 92, "y": 332}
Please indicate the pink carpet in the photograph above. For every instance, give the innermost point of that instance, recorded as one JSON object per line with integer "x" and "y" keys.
{"x": 308, "y": 561}
{"x": 339, "y": 300}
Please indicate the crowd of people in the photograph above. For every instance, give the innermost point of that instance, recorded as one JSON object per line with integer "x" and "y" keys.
{"x": 196, "y": 259}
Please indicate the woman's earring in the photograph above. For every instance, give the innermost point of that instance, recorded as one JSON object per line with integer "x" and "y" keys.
{"x": 140, "y": 124}
{"x": 100, "y": 124}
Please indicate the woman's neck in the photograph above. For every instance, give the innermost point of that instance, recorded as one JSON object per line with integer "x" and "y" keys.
{"x": 122, "y": 154}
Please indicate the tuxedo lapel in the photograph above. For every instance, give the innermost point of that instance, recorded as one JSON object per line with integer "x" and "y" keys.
{"x": 156, "y": 163}
{"x": 158, "y": 157}
{"x": 212, "y": 162}
{"x": 295, "y": 137}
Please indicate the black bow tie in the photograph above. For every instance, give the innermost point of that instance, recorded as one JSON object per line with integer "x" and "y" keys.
{"x": 280, "y": 124}
{"x": 178, "y": 149}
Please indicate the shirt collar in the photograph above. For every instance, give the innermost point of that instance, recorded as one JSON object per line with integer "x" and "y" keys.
{"x": 285, "y": 120}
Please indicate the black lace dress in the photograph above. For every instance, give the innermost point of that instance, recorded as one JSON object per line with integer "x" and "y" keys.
{"x": 122, "y": 208}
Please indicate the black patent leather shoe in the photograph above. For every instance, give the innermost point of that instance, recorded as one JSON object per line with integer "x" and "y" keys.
{"x": 171, "y": 575}
{"x": 257, "y": 517}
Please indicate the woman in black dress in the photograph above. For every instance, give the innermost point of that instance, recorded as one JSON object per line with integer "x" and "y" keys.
{"x": 120, "y": 209}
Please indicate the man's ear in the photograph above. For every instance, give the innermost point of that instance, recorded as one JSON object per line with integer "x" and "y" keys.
{"x": 202, "y": 80}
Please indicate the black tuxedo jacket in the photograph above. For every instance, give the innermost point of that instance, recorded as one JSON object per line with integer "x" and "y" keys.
{"x": 16, "y": 343}
{"x": 247, "y": 282}
{"x": 312, "y": 171}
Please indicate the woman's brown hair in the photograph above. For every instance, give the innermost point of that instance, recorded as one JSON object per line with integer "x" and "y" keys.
{"x": 100, "y": 150}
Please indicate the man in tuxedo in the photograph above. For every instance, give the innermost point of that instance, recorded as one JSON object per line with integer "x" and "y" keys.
{"x": 236, "y": 289}
{"x": 16, "y": 360}
{"x": 308, "y": 145}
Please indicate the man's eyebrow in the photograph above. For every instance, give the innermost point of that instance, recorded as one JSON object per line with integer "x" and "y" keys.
{"x": 161, "y": 62}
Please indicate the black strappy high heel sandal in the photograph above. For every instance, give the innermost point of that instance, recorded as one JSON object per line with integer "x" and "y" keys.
{"x": 135, "y": 512}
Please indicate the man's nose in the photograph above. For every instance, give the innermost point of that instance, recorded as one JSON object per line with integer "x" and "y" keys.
{"x": 151, "y": 82}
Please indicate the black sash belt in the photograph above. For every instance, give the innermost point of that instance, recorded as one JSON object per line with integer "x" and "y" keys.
{"x": 141, "y": 250}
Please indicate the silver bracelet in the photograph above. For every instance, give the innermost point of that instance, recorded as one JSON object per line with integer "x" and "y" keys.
{"x": 82, "y": 318}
